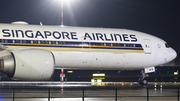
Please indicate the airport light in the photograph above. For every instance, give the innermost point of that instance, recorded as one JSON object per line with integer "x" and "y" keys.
{"x": 70, "y": 71}
{"x": 99, "y": 82}
{"x": 102, "y": 74}
{"x": 175, "y": 73}
{"x": 99, "y": 78}
{"x": 68, "y": 1}
{"x": 62, "y": 8}
{"x": 92, "y": 80}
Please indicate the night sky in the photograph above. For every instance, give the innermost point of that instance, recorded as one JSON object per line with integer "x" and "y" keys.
{"x": 156, "y": 17}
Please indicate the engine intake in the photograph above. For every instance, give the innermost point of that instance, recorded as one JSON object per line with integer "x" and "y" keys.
{"x": 7, "y": 65}
{"x": 28, "y": 64}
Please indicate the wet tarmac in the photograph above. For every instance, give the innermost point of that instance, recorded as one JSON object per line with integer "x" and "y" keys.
{"x": 87, "y": 91}
{"x": 86, "y": 84}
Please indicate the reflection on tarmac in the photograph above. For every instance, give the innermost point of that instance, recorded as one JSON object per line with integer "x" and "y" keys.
{"x": 88, "y": 84}
{"x": 84, "y": 91}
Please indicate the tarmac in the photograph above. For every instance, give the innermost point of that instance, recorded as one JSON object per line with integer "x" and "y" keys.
{"x": 88, "y": 91}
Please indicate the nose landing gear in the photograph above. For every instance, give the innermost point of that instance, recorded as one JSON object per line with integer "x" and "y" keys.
{"x": 142, "y": 80}
{"x": 144, "y": 74}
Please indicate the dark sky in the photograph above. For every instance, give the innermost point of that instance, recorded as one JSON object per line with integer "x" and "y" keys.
{"x": 157, "y": 17}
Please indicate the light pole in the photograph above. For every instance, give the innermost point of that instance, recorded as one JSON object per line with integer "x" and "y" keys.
{"x": 62, "y": 1}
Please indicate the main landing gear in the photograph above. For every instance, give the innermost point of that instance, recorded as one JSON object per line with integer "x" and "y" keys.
{"x": 142, "y": 80}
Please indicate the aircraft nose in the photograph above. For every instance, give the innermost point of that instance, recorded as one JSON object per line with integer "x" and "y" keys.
{"x": 173, "y": 54}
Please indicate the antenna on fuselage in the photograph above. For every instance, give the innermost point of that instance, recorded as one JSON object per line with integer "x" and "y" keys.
{"x": 41, "y": 23}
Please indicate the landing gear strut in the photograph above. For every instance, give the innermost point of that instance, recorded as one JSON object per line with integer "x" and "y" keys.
{"x": 142, "y": 79}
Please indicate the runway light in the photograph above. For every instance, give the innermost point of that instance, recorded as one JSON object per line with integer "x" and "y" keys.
{"x": 122, "y": 84}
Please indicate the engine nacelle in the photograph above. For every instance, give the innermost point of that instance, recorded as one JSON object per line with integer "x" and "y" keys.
{"x": 28, "y": 64}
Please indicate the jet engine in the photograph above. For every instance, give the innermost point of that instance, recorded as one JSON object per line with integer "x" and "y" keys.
{"x": 28, "y": 64}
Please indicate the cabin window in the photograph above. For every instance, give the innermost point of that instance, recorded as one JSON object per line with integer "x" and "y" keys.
{"x": 35, "y": 42}
{"x": 5, "y": 41}
{"x": 167, "y": 46}
{"x": 54, "y": 42}
{"x": 130, "y": 45}
{"x": 108, "y": 44}
{"x": 127, "y": 45}
{"x": 17, "y": 41}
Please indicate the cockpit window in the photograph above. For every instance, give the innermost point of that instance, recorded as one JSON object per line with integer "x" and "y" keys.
{"x": 167, "y": 46}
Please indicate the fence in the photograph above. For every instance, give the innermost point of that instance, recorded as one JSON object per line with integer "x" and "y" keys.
{"x": 89, "y": 93}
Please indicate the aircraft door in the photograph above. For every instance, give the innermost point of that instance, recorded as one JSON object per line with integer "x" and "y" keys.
{"x": 86, "y": 45}
{"x": 147, "y": 46}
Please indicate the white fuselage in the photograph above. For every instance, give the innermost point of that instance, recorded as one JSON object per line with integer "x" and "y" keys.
{"x": 90, "y": 48}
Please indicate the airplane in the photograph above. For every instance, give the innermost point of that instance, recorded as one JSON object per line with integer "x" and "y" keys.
{"x": 33, "y": 52}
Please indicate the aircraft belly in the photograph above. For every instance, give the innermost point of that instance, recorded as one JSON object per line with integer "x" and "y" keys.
{"x": 96, "y": 60}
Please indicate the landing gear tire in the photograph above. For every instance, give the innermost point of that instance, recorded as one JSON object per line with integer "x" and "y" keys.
{"x": 143, "y": 82}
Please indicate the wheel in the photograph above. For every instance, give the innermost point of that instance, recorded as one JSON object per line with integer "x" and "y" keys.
{"x": 144, "y": 82}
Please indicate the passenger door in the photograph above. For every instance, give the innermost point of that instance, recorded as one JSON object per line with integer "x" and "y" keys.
{"x": 147, "y": 47}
